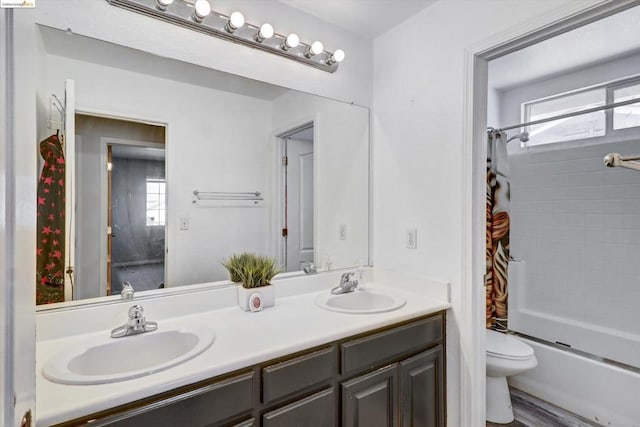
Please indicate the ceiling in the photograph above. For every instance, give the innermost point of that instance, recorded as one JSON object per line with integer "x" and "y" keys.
{"x": 601, "y": 41}
{"x": 138, "y": 153}
{"x": 303, "y": 135}
{"x": 366, "y": 18}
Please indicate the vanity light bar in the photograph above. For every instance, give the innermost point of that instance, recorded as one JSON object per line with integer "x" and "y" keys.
{"x": 201, "y": 18}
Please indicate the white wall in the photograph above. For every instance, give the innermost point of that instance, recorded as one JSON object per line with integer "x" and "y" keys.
{"x": 341, "y": 165}
{"x": 418, "y": 112}
{"x": 207, "y": 149}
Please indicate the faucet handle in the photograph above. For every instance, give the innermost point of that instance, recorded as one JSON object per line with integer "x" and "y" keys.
{"x": 127, "y": 291}
{"x": 346, "y": 277}
{"x": 136, "y": 312}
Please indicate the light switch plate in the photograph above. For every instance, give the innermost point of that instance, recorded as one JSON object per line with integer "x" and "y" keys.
{"x": 343, "y": 231}
{"x": 412, "y": 238}
{"x": 184, "y": 223}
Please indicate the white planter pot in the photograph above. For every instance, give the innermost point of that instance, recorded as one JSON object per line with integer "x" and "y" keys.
{"x": 255, "y": 299}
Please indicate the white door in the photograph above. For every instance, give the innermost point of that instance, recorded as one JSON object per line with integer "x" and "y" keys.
{"x": 70, "y": 185}
{"x": 18, "y": 149}
{"x": 299, "y": 203}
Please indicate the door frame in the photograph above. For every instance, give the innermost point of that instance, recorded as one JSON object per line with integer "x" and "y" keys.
{"x": 476, "y": 58}
{"x": 279, "y": 142}
{"x": 135, "y": 118}
{"x": 285, "y": 204}
{"x": 105, "y": 142}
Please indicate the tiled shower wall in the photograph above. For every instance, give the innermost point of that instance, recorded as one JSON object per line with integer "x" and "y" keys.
{"x": 576, "y": 223}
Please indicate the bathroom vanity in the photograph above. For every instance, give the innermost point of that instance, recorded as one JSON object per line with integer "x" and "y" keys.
{"x": 293, "y": 364}
{"x": 394, "y": 374}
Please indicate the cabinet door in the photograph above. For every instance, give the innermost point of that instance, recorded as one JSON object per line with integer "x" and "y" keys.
{"x": 421, "y": 390}
{"x": 318, "y": 410}
{"x": 371, "y": 400}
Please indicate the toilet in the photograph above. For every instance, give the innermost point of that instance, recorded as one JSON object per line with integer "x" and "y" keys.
{"x": 506, "y": 356}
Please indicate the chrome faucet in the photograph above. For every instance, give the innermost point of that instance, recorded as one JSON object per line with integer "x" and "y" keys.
{"x": 310, "y": 268}
{"x": 347, "y": 284}
{"x": 127, "y": 291}
{"x": 136, "y": 324}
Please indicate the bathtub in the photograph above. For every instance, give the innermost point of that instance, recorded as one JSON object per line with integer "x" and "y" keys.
{"x": 598, "y": 391}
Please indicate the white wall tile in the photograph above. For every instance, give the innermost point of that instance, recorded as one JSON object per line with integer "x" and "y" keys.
{"x": 577, "y": 225}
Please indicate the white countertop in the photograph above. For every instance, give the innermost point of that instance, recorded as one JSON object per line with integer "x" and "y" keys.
{"x": 242, "y": 339}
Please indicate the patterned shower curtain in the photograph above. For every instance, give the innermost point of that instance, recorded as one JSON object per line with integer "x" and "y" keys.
{"x": 497, "y": 235}
{"x": 51, "y": 224}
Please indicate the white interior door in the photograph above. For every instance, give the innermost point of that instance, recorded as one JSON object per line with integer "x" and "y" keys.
{"x": 70, "y": 185}
{"x": 299, "y": 203}
{"x": 18, "y": 204}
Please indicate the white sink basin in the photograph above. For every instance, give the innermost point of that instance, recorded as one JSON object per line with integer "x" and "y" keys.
{"x": 362, "y": 301}
{"x": 105, "y": 359}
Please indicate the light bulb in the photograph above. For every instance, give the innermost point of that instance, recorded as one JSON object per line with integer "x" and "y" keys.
{"x": 266, "y": 32}
{"x": 202, "y": 9}
{"x": 236, "y": 20}
{"x": 337, "y": 56}
{"x": 292, "y": 41}
{"x": 315, "y": 49}
{"x": 162, "y": 4}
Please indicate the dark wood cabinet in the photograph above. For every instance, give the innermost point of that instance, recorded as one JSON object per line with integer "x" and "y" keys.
{"x": 422, "y": 390}
{"x": 391, "y": 377}
{"x": 371, "y": 400}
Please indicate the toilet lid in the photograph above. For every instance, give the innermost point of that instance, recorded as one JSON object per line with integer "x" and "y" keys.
{"x": 503, "y": 345}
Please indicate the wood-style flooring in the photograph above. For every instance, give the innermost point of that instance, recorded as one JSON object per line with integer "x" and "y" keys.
{"x": 530, "y": 411}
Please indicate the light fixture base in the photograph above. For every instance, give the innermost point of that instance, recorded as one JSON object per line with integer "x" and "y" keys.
{"x": 182, "y": 14}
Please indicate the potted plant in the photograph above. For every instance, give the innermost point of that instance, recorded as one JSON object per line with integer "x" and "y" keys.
{"x": 255, "y": 273}
{"x": 235, "y": 263}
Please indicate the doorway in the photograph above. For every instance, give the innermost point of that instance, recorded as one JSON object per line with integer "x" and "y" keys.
{"x": 136, "y": 215}
{"x": 120, "y": 205}
{"x": 529, "y": 145}
{"x": 297, "y": 201}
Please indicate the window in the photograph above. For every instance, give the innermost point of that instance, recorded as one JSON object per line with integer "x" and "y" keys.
{"x": 590, "y": 125}
{"x": 156, "y": 201}
{"x": 577, "y": 127}
{"x": 629, "y": 115}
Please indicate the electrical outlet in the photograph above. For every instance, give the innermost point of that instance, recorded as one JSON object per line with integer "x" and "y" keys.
{"x": 412, "y": 238}
{"x": 184, "y": 223}
{"x": 343, "y": 231}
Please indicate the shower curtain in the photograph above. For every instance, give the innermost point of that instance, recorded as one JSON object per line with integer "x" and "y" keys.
{"x": 51, "y": 224}
{"x": 497, "y": 234}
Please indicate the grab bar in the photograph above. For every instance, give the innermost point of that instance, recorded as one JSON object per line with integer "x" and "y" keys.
{"x": 227, "y": 195}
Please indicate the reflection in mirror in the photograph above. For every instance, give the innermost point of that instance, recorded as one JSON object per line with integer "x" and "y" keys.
{"x": 297, "y": 170}
{"x": 306, "y": 156}
{"x": 120, "y": 206}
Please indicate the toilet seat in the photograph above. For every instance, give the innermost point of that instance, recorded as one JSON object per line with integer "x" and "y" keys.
{"x": 503, "y": 346}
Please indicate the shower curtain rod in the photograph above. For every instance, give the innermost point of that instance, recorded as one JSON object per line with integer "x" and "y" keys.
{"x": 573, "y": 114}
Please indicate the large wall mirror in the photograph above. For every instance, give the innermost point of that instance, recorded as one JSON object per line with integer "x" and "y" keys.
{"x": 155, "y": 170}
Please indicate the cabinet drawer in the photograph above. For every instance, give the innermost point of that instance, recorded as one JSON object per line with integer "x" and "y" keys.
{"x": 205, "y": 406}
{"x": 251, "y": 422}
{"x": 317, "y": 410}
{"x": 374, "y": 350}
{"x": 298, "y": 375}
